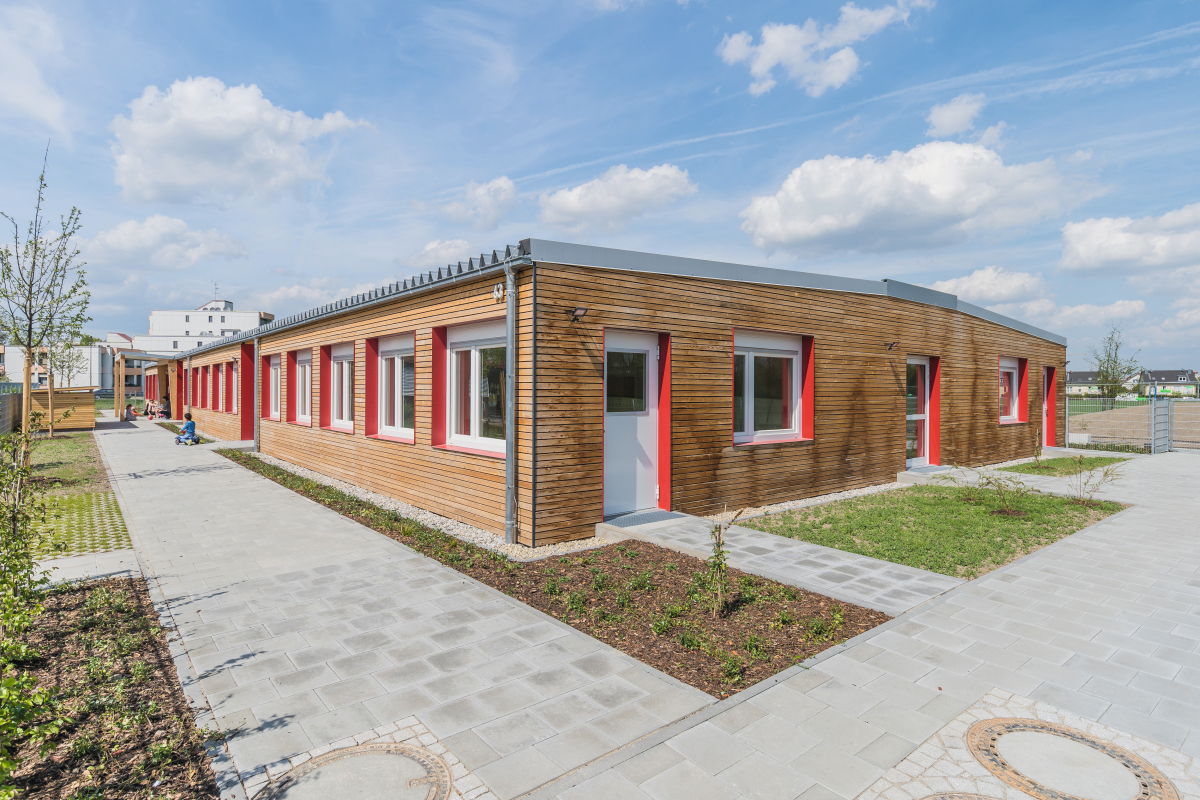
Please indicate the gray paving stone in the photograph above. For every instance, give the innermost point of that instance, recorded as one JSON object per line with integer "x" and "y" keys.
{"x": 576, "y": 746}
{"x": 399, "y": 704}
{"x": 686, "y": 781}
{"x": 519, "y": 772}
{"x": 470, "y": 749}
{"x": 773, "y": 736}
{"x": 610, "y": 785}
{"x": 837, "y": 770}
{"x": 760, "y": 778}
{"x": 340, "y": 723}
{"x": 514, "y": 732}
{"x": 710, "y": 747}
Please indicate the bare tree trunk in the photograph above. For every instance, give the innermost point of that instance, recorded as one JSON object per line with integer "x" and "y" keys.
{"x": 50, "y": 396}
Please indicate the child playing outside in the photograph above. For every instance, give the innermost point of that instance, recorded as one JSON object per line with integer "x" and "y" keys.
{"x": 188, "y": 435}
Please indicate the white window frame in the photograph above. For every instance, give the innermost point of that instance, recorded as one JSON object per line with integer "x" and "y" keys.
{"x": 233, "y": 398}
{"x": 304, "y": 387}
{"x": 919, "y": 461}
{"x": 471, "y": 339}
{"x": 274, "y": 388}
{"x": 341, "y": 387}
{"x": 749, "y": 344}
{"x": 395, "y": 349}
{"x": 1013, "y": 367}
{"x": 219, "y": 381}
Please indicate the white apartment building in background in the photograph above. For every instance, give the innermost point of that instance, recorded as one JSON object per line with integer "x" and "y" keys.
{"x": 172, "y": 331}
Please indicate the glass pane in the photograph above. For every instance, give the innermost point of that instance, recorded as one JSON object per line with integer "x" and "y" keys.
{"x": 915, "y": 445}
{"x": 347, "y": 391}
{"x": 305, "y": 390}
{"x": 1007, "y": 395}
{"x": 336, "y": 390}
{"x": 408, "y": 392}
{"x": 772, "y": 393}
{"x": 916, "y": 389}
{"x": 387, "y": 382}
{"x": 626, "y": 383}
{"x": 739, "y": 394}
{"x": 491, "y": 393}
{"x": 461, "y": 413}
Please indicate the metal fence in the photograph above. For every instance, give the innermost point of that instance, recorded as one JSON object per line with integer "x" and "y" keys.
{"x": 10, "y": 411}
{"x": 1133, "y": 424}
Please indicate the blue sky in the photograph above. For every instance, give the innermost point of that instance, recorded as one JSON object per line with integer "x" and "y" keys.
{"x": 1039, "y": 159}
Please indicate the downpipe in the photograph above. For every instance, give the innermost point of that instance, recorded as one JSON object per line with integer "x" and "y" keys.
{"x": 257, "y": 410}
{"x": 510, "y": 404}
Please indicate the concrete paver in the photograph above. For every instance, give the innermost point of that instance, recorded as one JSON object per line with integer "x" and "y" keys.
{"x": 305, "y": 628}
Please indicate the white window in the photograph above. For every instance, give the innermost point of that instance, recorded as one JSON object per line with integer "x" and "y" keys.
{"x": 476, "y": 388}
{"x": 397, "y": 386}
{"x": 233, "y": 394}
{"x": 210, "y": 317}
{"x": 341, "y": 385}
{"x": 175, "y": 344}
{"x": 1008, "y": 389}
{"x": 274, "y": 387}
{"x": 304, "y": 386}
{"x": 766, "y": 386}
{"x": 219, "y": 387}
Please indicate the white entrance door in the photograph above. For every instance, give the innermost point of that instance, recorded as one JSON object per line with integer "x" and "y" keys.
{"x": 630, "y": 421}
{"x": 917, "y": 412}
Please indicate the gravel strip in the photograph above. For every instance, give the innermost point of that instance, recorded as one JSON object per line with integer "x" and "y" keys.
{"x": 459, "y": 530}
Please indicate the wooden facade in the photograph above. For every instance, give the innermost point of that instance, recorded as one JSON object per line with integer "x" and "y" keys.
{"x": 859, "y": 343}
{"x": 80, "y": 401}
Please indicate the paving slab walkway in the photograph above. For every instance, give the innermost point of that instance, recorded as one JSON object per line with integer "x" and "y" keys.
{"x": 862, "y": 580}
{"x": 1103, "y": 625}
{"x": 303, "y": 628}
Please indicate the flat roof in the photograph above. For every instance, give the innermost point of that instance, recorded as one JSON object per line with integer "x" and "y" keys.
{"x": 531, "y": 251}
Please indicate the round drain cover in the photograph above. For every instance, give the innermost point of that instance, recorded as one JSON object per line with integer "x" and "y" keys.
{"x": 384, "y": 771}
{"x": 1053, "y": 762}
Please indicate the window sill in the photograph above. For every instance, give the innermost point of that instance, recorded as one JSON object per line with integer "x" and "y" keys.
{"x": 302, "y": 423}
{"x": 1013, "y": 421}
{"x": 270, "y": 419}
{"x": 337, "y": 429}
{"x": 781, "y": 440}
{"x": 383, "y": 437}
{"x": 457, "y": 448}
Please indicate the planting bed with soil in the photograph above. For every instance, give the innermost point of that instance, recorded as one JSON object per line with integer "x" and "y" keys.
{"x": 659, "y": 606}
{"x": 129, "y": 733}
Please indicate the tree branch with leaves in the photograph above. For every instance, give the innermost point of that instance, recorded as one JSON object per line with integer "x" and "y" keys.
{"x": 1113, "y": 363}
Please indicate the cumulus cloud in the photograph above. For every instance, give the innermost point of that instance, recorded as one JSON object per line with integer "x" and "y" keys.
{"x": 994, "y": 285}
{"x": 483, "y": 204}
{"x": 438, "y": 254}
{"x": 611, "y": 201}
{"x": 163, "y": 243}
{"x": 28, "y": 37}
{"x": 813, "y": 57}
{"x": 203, "y": 140}
{"x": 1048, "y": 314}
{"x": 956, "y": 116}
{"x": 938, "y": 193}
{"x": 1080, "y": 156}
{"x": 1124, "y": 244}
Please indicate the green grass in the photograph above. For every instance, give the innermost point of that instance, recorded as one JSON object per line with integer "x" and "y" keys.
{"x": 937, "y": 528}
{"x": 106, "y": 403}
{"x": 1062, "y": 467}
{"x": 69, "y": 463}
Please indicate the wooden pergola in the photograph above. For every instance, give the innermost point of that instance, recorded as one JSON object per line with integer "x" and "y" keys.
{"x": 166, "y": 377}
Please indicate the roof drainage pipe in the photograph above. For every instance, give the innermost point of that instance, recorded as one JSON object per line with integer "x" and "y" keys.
{"x": 510, "y": 404}
{"x": 256, "y": 412}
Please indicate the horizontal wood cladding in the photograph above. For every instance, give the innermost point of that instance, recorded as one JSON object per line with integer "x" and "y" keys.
{"x": 859, "y": 401}
{"x": 462, "y": 486}
{"x": 82, "y": 406}
{"x": 222, "y": 424}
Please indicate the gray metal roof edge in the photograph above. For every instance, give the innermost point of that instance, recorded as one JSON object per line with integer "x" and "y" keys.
{"x": 584, "y": 255}
{"x": 420, "y": 284}
{"x": 1009, "y": 322}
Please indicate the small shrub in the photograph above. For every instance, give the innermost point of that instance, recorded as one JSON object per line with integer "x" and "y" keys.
{"x": 577, "y": 602}
{"x": 162, "y": 753}
{"x": 86, "y": 748}
{"x": 642, "y": 582}
{"x": 732, "y": 669}
{"x": 552, "y": 587}
{"x": 689, "y": 639}
{"x": 140, "y": 672}
{"x": 818, "y": 629}
{"x": 600, "y": 580}
{"x": 670, "y": 567}
{"x": 623, "y": 598}
{"x": 748, "y": 589}
{"x": 756, "y": 647}
{"x": 660, "y": 625}
{"x": 785, "y": 618}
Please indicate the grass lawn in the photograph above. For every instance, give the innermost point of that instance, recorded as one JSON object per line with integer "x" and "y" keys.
{"x": 130, "y": 733}
{"x": 942, "y": 529}
{"x": 106, "y": 404}
{"x": 1062, "y": 467}
{"x": 650, "y": 602}
{"x": 69, "y": 464}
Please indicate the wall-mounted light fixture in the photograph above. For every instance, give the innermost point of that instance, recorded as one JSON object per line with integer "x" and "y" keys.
{"x": 890, "y": 345}
{"x": 576, "y": 314}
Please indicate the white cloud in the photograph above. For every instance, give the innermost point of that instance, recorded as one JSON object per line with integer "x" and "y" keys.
{"x": 956, "y": 116}
{"x": 938, "y": 193}
{"x": 611, "y": 201}
{"x": 202, "y": 140}
{"x": 438, "y": 254}
{"x": 29, "y": 36}
{"x": 164, "y": 243}
{"x": 994, "y": 285}
{"x": 815, "y": 58}
{"x": 993, "y": 137}
{"x": 1080, "y": 156}
{"x": 1133, "y": 245}
{"x": 483, "y": 204}
{"x": 1052, "y": 316}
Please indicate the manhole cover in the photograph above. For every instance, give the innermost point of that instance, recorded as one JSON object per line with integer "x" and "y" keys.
{"x": 384, "y": 771}
{"x": 1054, "y": 762}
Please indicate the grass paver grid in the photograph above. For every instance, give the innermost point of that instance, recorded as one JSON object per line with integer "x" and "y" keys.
{"x": 86, "y": 523}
